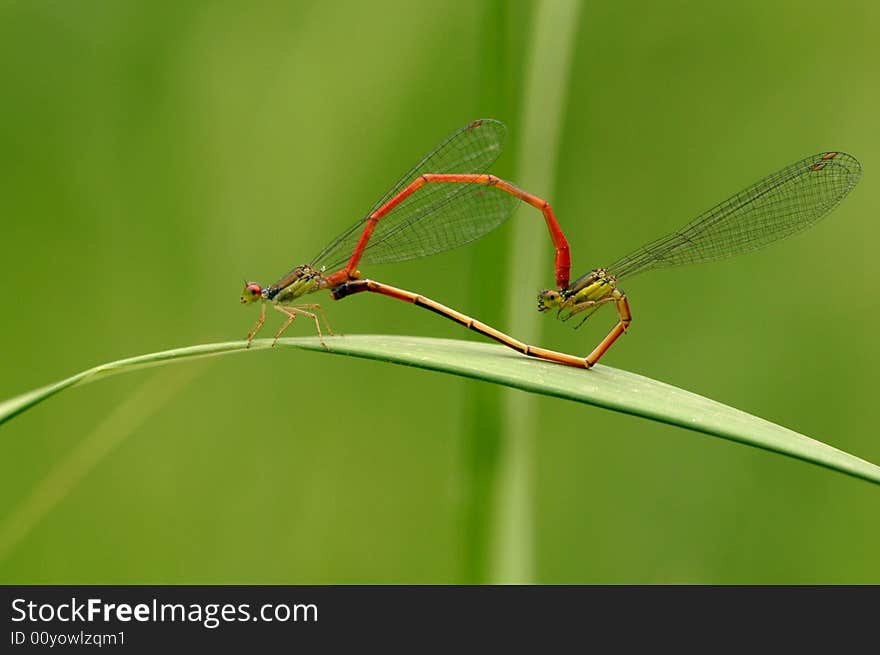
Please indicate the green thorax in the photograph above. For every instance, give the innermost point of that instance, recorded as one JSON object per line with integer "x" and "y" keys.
{"x": 301, "y": 281}
{"x": 596, "y": 285}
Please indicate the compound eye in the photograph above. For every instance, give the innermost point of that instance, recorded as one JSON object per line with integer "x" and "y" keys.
{"x": 547, "y": 299}
{"x": 253, "y": 288}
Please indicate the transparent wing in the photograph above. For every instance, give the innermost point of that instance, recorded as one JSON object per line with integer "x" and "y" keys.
{"x": 455, "y": 216}
{"x": 778, "y": 206}
{"x": 437, "y": 217}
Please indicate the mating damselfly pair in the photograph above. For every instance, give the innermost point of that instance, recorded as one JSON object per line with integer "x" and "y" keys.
{"x": 447, "y": 200}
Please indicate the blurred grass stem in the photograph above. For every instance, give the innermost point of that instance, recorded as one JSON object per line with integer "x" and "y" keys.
{"x": 545, "y": 95}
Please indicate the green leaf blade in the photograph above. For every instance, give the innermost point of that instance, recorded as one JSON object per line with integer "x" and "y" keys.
{"x": 602, "y": 386}
{"x": 605, "y": 387}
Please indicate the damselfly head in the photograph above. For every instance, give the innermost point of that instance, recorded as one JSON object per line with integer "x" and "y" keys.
{"x": 251, "y": 293}
{"x": 549, "y": 299}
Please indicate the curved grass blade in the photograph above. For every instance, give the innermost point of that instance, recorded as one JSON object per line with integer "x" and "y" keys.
{"x": 14, "y": 406}
{"x": 118, "y": 425}
{"x": 602, "y": 386}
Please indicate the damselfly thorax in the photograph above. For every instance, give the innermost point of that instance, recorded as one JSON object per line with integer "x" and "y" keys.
{"x": 586, "y": 294}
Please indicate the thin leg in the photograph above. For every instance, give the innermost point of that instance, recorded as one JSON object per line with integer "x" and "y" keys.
{"x": 625, "y": 318}
{"x": 259, "y": 324}
{"x": 591, "y": 305}
{"x": 358, "y": 286}
{"x": 563, "y": 257}
{"x": 319, "y": 309}
{"x": 292, "y": 311}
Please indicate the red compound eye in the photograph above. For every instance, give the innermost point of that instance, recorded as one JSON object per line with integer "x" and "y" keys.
{"x": 253, "y": 288}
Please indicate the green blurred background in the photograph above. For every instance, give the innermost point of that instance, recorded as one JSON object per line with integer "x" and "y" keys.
{"x": 155, "y": 154}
